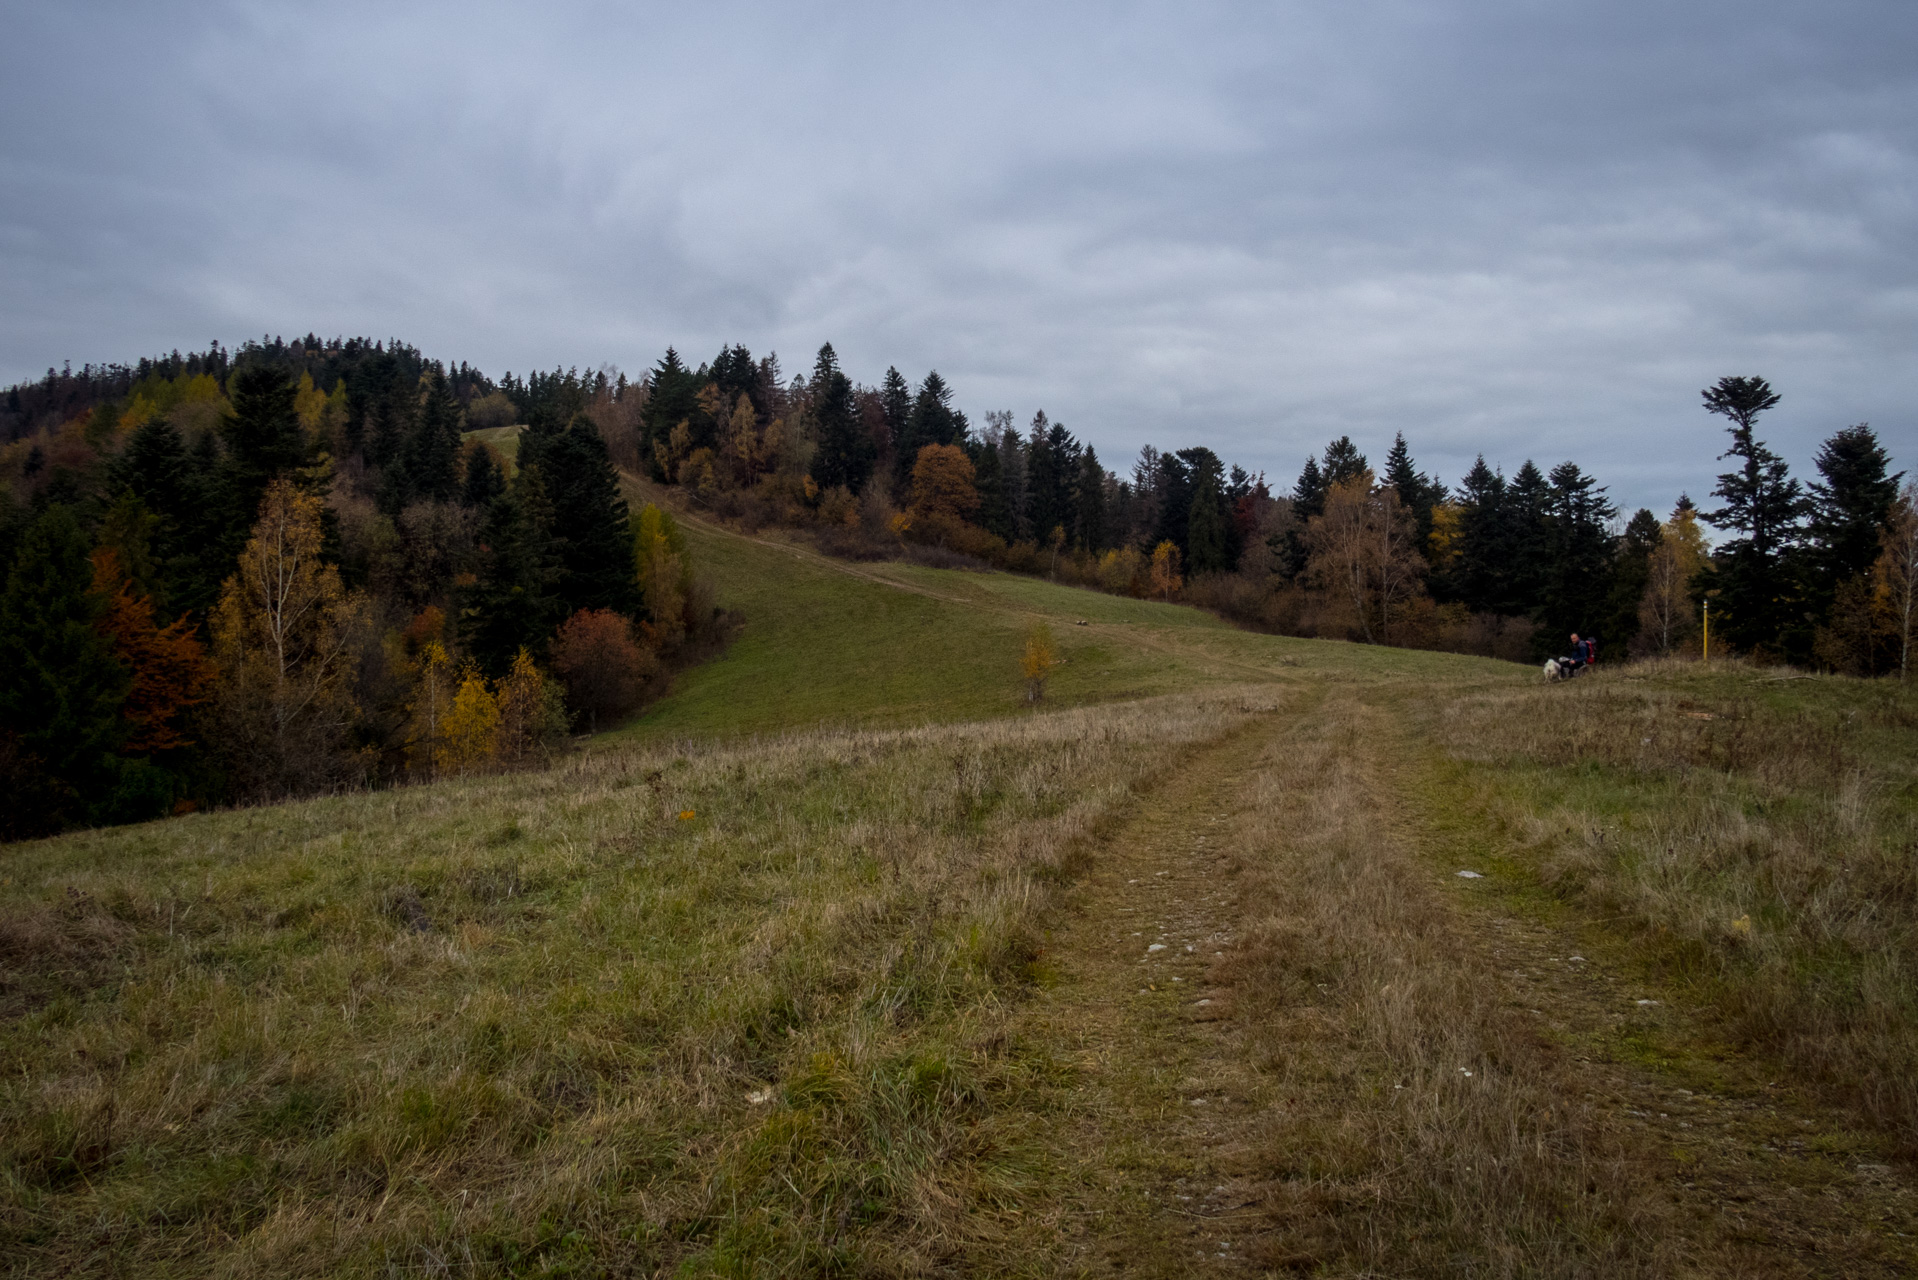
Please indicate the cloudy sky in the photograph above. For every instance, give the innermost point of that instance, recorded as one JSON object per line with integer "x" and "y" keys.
{"x": 1518, "y": 227}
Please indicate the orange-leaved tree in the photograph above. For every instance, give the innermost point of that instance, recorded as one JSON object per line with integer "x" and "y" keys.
{"x": 1165, "y": 570}
{"x": 283, "y": 636}
{"x": 603, "y": 669}
{"x": 1037, "y": 660}
{"x": 169, "y": 666}
{"x": 943, "y": 492}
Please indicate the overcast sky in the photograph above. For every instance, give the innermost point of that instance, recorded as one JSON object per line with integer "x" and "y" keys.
{"x": 1515, "y": 227}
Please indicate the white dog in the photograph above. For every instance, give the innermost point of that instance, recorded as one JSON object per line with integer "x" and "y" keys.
{"x": 1559, "y": 669}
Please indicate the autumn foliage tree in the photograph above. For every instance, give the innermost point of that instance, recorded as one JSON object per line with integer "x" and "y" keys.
{"x": 1364, "y": 553}
{"x": 943, "y": 492}
{"x": 532, "y": 715}
{"x": 282, "y": 643}
{"x": 664, "y": 571}
{"x": 469, "y": 733}
{"x": 603, "y": 668}
{"x": 1667, "y": 617}
{"x": 167, "y": 665}
{"x": 1165, "y": 575}
{"x": 1037, "y": 659}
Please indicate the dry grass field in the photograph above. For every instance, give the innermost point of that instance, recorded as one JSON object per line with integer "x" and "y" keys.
{"x": 840, "y": 962}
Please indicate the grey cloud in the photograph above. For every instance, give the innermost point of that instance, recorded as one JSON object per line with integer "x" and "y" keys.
{"x": 1516, "y": 227}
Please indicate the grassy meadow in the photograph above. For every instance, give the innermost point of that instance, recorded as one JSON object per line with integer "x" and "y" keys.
{"x": 747, "y": 988}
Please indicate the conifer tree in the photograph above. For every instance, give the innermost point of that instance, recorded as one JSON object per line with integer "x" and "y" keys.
{"x": 433, "y": 450}
{"x": 1045, "y": 477}
{"x": 1089, "y": 503}
{"x": 673, "y": 398}
{"x": 1308, "y": 500}
{"x": 1207, "y": 523}
{"x": 1848, "y": 508}
{"x": 1763, "y": 505}
{"x": 263, "y": 441}
{"x": 590, "y": 525}
{"x": 514, "y": 604}
{"x": 484, "y": 480}
{"x": 1420, "y": 493}
{"x": 1478, "y": 575}
{"x": 1577, "y": 579}
{"x": 930, "y": 421}
{"x": 1012, "y": 477}
{"x": 895, "y": 400}
{"x": 1308, "y": 495}
{"x": 994, "y": 515}
{"x": 845, "y": 452}
{"x": 1343, "y": 462}
{"x": 1525, "y": 541}
{"x": 63, "y": 688}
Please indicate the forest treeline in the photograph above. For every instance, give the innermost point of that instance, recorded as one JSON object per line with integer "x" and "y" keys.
{"x": 1507, "y": 566}
{"x": 144, "y": 507}
{"x": 288, "y": 569}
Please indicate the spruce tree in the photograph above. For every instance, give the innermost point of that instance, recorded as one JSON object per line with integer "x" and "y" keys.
{"x": 845, "y": 452}
{"x": 673, "y": 397}
{"x": 1579, "y": 548}
{"x": 929, "y": 421}
{"x": 433, "y": 451}
{"x": 155, "y": 471}
{"x": 995, "y": 517}
{"x": 1012, "y": 477}
{"x": 484, "y": 480}
{"x": 1419, "y": 493}
{"x": 514, "y": 604}
{"x": 1478, "y": 577}
{"x": 591, "y": 525}
{"x": 60, "y": 700}
{"x": 895, "y": 399}
{"x": 1343, "y": 462}
{"x": 1848, "y": 509}
{"x": 1525, "y": 541}
{"x": 1207, "y": 543}
{"x": 1762, "y": 504}
{"x": 263, "y": 438}
{"x": 1089, "y": 503}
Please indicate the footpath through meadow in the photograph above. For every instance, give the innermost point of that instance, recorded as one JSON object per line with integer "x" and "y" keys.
{"x": 1289, "y": 1037}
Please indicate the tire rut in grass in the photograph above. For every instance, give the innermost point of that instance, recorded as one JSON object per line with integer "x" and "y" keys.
{"x": 1144, "y": 1136}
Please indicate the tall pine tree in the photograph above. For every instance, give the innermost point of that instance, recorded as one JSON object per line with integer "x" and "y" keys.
{"x": 1762, "y": 505}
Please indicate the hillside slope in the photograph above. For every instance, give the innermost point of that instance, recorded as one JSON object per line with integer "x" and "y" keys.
{"x": 830, "y": 642}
